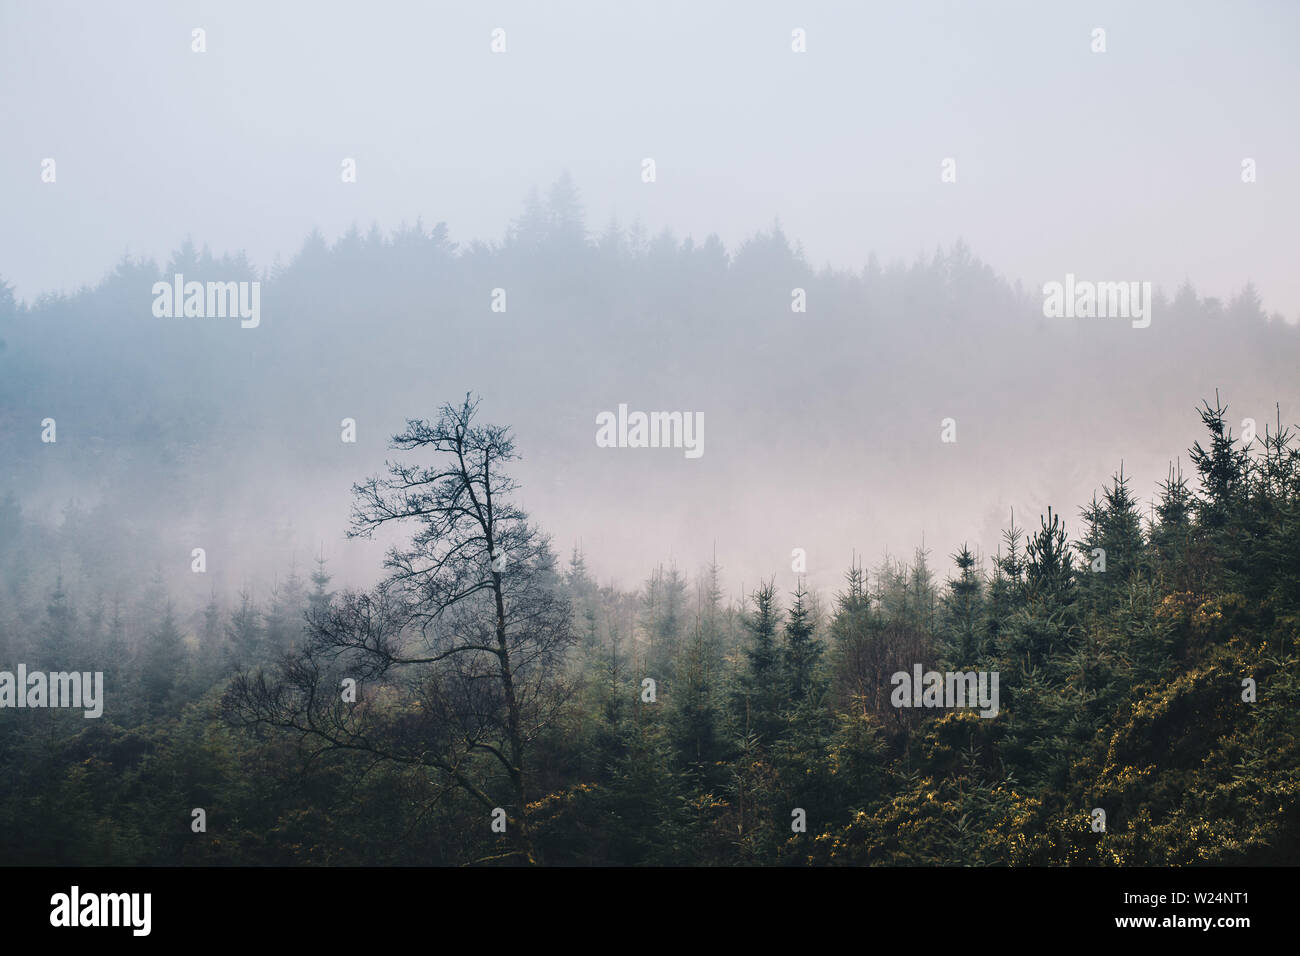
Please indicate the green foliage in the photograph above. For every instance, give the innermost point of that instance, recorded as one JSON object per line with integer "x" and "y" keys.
{"x": 1127, "y": 690}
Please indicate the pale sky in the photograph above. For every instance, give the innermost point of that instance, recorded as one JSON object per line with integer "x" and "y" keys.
{"x": 1122, "y": 164}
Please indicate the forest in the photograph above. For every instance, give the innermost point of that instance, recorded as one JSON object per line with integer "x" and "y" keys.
{"x": 486, "y": 701}
{"x": 474, "y": 686}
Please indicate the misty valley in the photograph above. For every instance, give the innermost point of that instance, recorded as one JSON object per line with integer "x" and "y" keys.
{"x": 420, "y": 673}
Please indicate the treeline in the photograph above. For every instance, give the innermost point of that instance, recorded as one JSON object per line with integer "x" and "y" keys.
{"x": 177, "y": 432}
{"x": 1147, "y": 668}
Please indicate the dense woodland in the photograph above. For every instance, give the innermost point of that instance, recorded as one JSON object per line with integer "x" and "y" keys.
{"x": 492, "y": 672}
{"x": 493, "y": 669}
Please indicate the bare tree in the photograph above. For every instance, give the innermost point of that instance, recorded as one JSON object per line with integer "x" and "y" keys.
{"x": 459, "y": 651}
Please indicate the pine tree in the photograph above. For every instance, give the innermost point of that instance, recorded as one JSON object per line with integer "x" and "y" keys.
{"x": 802, "y": 652}
{"x": 761, "y": 685}
{"x": 1223, "y": 468}
{"x": 162, "y": 659}
{"x": 244, "y": 634}
{"x": 920, "y": 586}
{"x": 210, "y": 641}
{"x": 116, "y": 652}
{"x": 1112, "y": 548}
{"x": 582, "y": 592}
{"x": 664, "y": 606}
{"x": 319, "y": 599}
{"x": 284, "y": 617}
{"x": 1048, "y": 564}
{"x": 577, "y": 578}
{"x": 1007, "y": 589}
{"x": 855, "y": 686}
{"x": 1171, "y": 531}
{"x": 59, "y": 644}
{"x": 964, "y": 607}
{"x": 695, "y": 716}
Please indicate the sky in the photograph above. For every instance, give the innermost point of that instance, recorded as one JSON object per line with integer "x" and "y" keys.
{"x": 1122, "y": 164}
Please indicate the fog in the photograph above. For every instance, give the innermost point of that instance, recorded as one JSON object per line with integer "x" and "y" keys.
{"x": 822, "y": 171}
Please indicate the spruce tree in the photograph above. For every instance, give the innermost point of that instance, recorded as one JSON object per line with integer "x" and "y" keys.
{"x": 1049, "y": 566}
{"x": 1171, "y": 530}
{"x": 1222, "y": 468}
{"x": 244, "y": 634}
{"x": 963, "y": 608}
{"x": 802, "y": 652}
{"x": 59, "y": 644}
{"x": 695, "y": 716}
{"x": 1113, "y": 547}
{"x": 855, "y": 686}
{"x": 162, "y": 660}
{"x": 318, "y": 599}
{"x": 761, "y": 685}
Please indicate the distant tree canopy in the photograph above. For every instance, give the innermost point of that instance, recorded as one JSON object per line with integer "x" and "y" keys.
{"x": 159, "y": 418}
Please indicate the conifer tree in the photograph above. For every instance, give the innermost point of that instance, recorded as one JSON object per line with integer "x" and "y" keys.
{"x": 211, "y": 635}
{"x": 761, "y": 686}
{"x": 59, "y": 644}
{"x": 284, "y": 616}
{"x": 695, "y": 724}
{"x": 244, "y": 634}
{"x": 664, "y": 606}
{"x": 318, "y": 599}
{"x": 1222, "y": 468}
{"x": 115, "y": 653}
{"x": 855, "y": 685}
{"x": 1048, "y": 564}
{"x": 802, "y": 653}
{"x": 1171, "y": 529}
{"x": 1112, "y": 548}
{"x": 162, "y": 660}
{"x": 1006, "y": 590}
{"x": 964, "y": 606}
{"x": 577, "y": 578}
